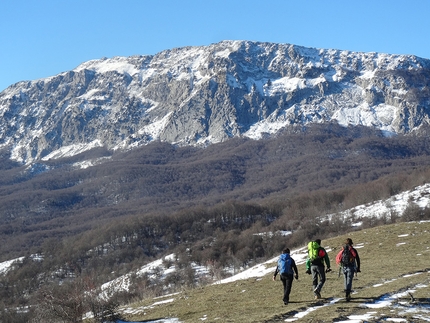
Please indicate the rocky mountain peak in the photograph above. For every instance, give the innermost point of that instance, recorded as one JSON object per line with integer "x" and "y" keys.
{"x": 208, "y": 94}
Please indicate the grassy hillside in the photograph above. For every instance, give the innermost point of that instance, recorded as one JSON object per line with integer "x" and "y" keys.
{"x": 395, "y": 258}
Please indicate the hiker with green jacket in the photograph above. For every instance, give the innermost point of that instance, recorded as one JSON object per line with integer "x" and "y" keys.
{"x": 317, "y": 255}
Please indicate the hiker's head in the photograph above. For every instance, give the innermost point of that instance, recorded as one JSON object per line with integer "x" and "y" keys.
{"x": 318, "y": 241}
{"x": 348, "y": 241}
{"x": 286, "y": 250}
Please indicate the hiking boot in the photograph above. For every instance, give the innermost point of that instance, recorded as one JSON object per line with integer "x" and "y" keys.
{"x": 348, "y": 296}
{"x": 317, "y": 293}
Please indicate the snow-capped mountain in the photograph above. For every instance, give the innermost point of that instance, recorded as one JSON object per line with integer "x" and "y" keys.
{"x": 204, "y": 95}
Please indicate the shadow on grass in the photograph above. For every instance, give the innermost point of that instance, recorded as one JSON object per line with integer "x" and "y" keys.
{"x": 361, "y": 300}
{"x": 153, "y": 320}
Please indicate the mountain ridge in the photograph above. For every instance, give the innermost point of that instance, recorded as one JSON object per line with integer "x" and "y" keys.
{"x": 207, "y": 94}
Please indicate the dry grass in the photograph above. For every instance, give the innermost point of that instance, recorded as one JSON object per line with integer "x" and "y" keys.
{"x": 394, "y": 258}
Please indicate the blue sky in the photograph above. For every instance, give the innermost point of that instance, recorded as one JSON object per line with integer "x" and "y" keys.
{"x": 41, "y": 38}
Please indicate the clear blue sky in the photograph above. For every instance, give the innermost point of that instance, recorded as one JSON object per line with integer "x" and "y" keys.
{"x": 41, "y": 38}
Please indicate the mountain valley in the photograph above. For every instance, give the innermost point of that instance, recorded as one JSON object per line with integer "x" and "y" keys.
{"x": 209, "y": 153}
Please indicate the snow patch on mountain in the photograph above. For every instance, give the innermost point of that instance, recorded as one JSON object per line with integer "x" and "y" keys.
{"x": 268, "y": 126}
{"x": 5, "y": 266}
{"x": 396, "y": 205}
{"x": 72, "y": 150}
{"x": 380, "y": 116}
{"x": 117, "y": 64}
{"x": 90, "y": 162}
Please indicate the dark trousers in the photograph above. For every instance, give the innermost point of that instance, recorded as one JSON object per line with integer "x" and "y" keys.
{"x": 318, "y": 273}
{"x": 287, "y": 281}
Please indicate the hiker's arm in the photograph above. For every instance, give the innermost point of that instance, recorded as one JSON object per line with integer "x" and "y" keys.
{"x": 296, "y": 272}
{"x": 276, "y": 272}
{"x": 339, "y": 257}
{"x": 357, "y": 259}
{"x": 308, "y": 266}
{"x": 327, "y": 260}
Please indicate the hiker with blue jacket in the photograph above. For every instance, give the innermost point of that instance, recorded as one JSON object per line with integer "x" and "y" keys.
{"x": 287, "y": 270}
{"x": 317, "y": 255}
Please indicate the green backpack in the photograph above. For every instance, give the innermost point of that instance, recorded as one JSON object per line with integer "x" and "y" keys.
{"x": 313, "y": 248}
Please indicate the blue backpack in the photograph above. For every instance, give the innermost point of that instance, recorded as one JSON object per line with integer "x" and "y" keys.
{"x": 284, "y": 264}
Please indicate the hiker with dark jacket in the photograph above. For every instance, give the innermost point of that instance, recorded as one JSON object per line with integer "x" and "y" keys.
{"x": 315, "y": 266}
{"x": 287, "y": 270}
{"x": 349, "y": 260}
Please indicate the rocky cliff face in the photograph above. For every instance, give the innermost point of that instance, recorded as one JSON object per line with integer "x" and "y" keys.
{"x": 204, "y": 95}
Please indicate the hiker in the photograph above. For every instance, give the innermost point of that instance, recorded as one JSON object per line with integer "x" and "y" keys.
{"x": 349, "y": 261}
{"x": 287, "y": 269}
{"x": 317, "y": 255}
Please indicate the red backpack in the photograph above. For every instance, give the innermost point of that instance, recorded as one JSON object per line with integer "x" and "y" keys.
{"x": 346, "y": 257}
